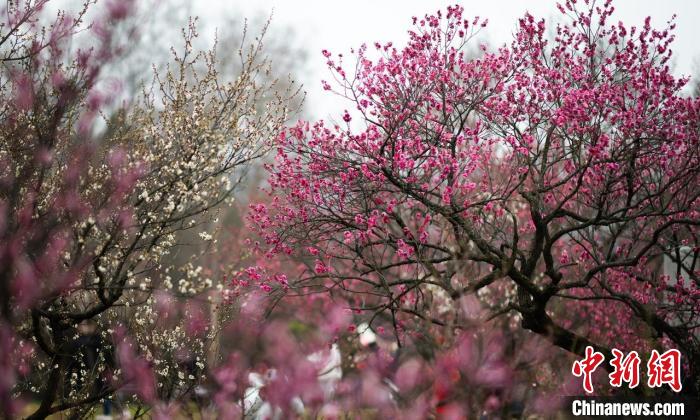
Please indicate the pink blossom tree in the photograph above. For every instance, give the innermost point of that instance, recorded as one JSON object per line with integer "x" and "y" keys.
{"x": 550, "y": 178}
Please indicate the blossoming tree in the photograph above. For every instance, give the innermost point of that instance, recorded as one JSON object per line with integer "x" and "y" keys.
{"x": 92, "y": 200}
{"x": 550, "y": 178}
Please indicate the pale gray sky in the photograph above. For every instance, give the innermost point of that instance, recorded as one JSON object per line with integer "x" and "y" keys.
{"x": 340, "y": 25}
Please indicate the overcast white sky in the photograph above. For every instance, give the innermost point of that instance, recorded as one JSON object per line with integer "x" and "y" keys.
{"x": 340, "y": 25}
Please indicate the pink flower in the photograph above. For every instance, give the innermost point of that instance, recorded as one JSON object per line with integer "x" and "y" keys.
{"x": 404, "y": 250}
{"x": 348, "y": 237}
{"x": 320, "y": 267}
{"x": 564, "y": 258}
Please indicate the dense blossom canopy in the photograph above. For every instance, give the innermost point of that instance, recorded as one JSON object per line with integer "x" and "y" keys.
{"x": 99, "y": 200}
{"x": 552, "y": 178}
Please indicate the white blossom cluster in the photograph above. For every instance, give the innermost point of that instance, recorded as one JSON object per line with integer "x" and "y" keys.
{"x": 153, "y": 194}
